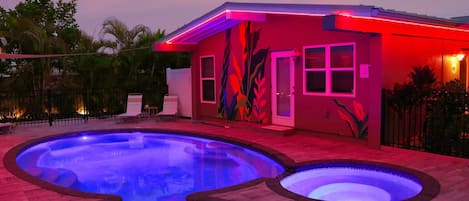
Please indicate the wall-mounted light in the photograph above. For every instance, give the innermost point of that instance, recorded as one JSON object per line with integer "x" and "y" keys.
{"x": 454, "y": 64}
{"x": 460, "y": 57}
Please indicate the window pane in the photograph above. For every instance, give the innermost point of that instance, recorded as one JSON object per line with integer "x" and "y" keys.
{"x": 316, "y": 81}
{"x": 315, "y": 57}
{"x": 207, "y": 67}
{"x": 208, "y": 90}
{"x": 342, "y": 56}
{"x": 283, "y": 86}
{"x": 342, "y": 81}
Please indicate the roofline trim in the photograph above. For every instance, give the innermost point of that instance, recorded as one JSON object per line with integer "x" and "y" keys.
{"x": 360, "y": 11}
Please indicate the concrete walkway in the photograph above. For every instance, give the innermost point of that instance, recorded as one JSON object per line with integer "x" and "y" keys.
{"x": 452, "y": 173}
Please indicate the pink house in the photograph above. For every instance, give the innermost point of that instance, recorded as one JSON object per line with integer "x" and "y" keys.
{"x": 305, "y": 66}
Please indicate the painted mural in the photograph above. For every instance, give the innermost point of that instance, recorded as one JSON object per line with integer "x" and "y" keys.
{"x": 357, "y": 122}
{"x": 243, "y": 87}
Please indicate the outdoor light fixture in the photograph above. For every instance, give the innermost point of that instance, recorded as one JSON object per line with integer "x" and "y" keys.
{"x": 460, "y": 57}
{"x": 454, "y": 62}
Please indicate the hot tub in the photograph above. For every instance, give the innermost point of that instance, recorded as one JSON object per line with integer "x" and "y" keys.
{"x": 354, "y": 181}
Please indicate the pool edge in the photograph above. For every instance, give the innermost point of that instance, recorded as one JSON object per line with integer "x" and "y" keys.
{"x": 9, "y": 160}
{"x": 431, "y": 187}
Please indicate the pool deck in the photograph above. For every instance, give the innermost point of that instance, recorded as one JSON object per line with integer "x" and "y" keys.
{"x": 452, "y": 173}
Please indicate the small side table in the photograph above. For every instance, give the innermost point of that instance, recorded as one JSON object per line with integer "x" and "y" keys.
{"x": 151, "y": 111}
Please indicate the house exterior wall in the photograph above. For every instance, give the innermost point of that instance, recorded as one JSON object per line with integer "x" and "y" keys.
{"x": 390, "y": 57}
{"x": 212, "y": 46}
{"x": 405, "y": 52}
{"x": 317, "y": 113}
{"x": 280, "y": 32}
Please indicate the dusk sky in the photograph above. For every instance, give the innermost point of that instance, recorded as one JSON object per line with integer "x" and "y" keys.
{"x": 171, "y": 14}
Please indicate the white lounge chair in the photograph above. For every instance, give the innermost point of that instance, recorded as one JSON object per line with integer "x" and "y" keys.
{"x": 134, "y": 107}
{"x": 6, "y": 127}
{"x": 170, "y": 107}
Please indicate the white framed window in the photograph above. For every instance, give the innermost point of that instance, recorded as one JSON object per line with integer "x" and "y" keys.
{"x": 329, "y": 70}
{"x": 207, "y": 79}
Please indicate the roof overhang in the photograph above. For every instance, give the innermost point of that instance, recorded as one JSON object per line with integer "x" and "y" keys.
{"x": 391, "y": 26}
{"x": 220, "y": 22}
{"x": 231, "y": 14}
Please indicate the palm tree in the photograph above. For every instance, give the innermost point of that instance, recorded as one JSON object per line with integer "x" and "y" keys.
{"x": 27, "y": 37}
{"x": 122, "y": 37}
{"x": 119, "y": 40}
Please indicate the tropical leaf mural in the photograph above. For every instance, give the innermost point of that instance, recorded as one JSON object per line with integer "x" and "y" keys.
{"x": 260, "y": 102}
{"x": 246, "y": 78}
{"x": 357, "y": 122}
{"x": 224, "y": 77}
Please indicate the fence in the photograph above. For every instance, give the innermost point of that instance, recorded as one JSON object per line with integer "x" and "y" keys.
{"x": 424, "y": 126}
{"x": 59, "y": 106}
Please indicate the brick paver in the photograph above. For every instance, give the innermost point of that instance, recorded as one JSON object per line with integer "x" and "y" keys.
{"x": 452, "y": 173}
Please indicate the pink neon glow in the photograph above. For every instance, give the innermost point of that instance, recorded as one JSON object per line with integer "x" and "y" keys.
{"x": 170, "y": 41}
{"x": 412, "y": 23}
{"x": 342, "y": 13}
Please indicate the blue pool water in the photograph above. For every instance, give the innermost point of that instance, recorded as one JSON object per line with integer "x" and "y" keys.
{"x": 144, "y": 166}
{"x": 352, "y": 183}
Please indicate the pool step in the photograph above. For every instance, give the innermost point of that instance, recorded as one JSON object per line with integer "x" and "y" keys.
{"x": 280, "y": 130}
{"x": 32, "y": 170}
{"x": 61, "y": 177}
{"x": 29, "y": 159}
{"x": 49, "y": 175}
{"x": 67, "y": 178}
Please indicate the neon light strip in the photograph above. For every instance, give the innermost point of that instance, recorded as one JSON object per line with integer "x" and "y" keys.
{"x": 170, "y": 41}
{"x": 411, "y": 23}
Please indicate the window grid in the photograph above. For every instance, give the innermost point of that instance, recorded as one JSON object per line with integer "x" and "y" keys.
{"x": 202, "y": 79}
{"x": 329, "y": 71}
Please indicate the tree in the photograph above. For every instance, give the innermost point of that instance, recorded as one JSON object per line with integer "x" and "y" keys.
{"x": 122, "y": 37}
{"x": 57, "y": 19}
{"x": 40, "y": 27}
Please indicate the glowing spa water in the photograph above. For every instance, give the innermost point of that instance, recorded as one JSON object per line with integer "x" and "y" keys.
{"x": 144, "y": 166}
{"x": 351, "y": 184}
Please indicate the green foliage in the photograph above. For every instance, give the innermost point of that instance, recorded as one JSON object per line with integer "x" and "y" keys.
{"x": 445, "y": 119}
{"x": 39, "y": 27}
{"x": 49, "y": 27}
{"x": 422, "y": 76}
{"x": 413, "y": 93}
{"x": 445, "y": 106}
{"x": 423, "y": 79}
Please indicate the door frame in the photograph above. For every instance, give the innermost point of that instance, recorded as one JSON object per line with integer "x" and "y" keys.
{"x": 281, "y": 120}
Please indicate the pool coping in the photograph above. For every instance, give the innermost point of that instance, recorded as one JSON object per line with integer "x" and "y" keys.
{"x": 430, "y": 186}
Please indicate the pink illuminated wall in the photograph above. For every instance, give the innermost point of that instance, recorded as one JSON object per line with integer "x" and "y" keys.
{"x": 379, "y": 44}
{"x": 404, "y": 52}
{"x": 317, "y": 113}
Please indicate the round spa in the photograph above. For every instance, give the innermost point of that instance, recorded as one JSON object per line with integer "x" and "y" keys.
{"x": 143, "y": 165}
{"x": 353, "y": 181}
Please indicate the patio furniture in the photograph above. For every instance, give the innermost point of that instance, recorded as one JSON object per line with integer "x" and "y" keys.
{"x": 134, "y": 108}
{"x": 170, "y": 108}
{"x": 7, "y": 127}
{"x": 150, "y": 111}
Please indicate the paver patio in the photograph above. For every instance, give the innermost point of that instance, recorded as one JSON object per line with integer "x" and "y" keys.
{"x": 452, "y": 173}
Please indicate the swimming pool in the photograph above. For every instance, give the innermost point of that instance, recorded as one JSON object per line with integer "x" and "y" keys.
{"x": 143, "y": 165}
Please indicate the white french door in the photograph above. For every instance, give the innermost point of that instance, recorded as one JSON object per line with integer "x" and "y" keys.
{"x": 283, "y": 79}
